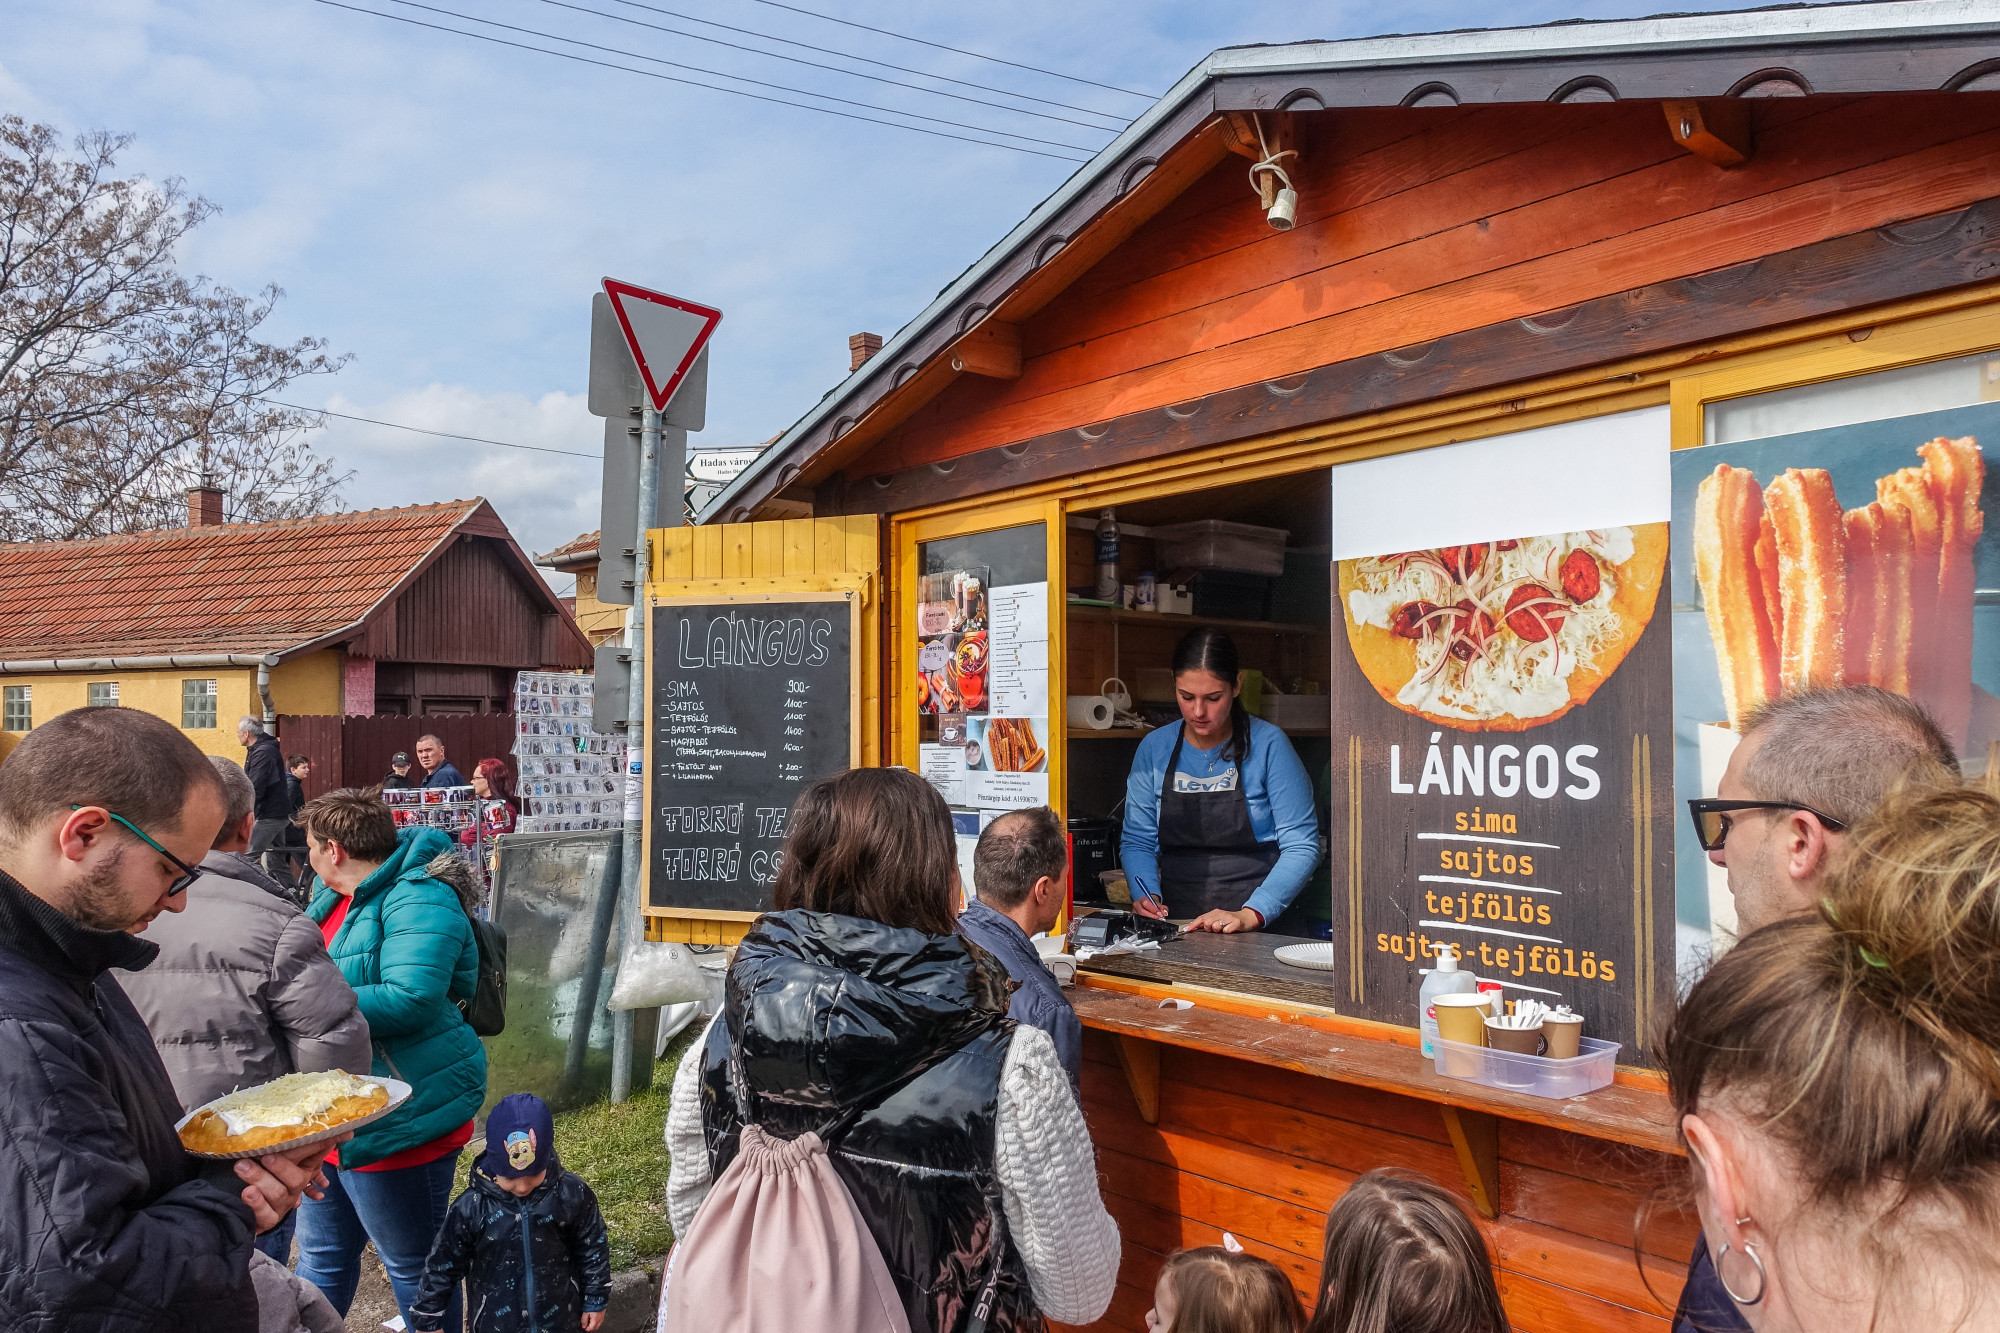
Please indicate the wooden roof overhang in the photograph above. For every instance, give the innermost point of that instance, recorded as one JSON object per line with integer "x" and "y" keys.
{"x": 974, "y": 324}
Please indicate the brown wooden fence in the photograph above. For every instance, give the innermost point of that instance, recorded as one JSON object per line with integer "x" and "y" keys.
{"x": 355, "y": 751}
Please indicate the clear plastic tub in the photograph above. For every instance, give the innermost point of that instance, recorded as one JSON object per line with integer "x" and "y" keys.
{"x": 1210, "y": 543}
{"x": 1536, "y": 1075}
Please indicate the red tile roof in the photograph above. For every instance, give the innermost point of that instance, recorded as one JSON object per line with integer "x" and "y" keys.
{"x": 236, "y": 588}
{"x": 576, "y": 551}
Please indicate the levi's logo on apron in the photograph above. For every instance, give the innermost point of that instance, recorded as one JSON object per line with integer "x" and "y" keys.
{"x": 1209, "y": 853}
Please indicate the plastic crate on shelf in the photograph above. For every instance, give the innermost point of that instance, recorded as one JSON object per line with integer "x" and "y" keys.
{"x": 1211, "y": 543}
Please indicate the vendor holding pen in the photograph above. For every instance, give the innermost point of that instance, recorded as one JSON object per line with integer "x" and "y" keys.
{"x": 1219, "y": 819}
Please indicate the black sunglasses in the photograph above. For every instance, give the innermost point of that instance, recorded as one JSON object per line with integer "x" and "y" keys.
{"x": 1711, "y": 817}
{"x": 188, "y": 873}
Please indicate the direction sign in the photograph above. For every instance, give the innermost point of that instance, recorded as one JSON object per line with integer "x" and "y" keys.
{"x": 665, "y": 335}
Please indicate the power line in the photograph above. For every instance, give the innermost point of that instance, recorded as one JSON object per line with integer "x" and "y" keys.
{"x": 737, "y": 92}
{"x": 869, "y": 60}
{"x": 958, "y": 50}
{"x": 744, "y": 78}
{"x": 419, "y": 430}
{"x": 796, "y": 60}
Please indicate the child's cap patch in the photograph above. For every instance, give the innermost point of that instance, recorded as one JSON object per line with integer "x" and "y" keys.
{"x": 520, "y": 1137}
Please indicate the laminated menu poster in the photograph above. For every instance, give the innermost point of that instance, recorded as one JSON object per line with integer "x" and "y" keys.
{"x": 1504, "y": 782}
{"x": 751, "y": 699}
{"x": 994, "y": 756}
{"x": 1849, "y": 554}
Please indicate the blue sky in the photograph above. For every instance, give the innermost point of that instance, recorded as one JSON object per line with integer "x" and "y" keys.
{"x": 443, "y": 208}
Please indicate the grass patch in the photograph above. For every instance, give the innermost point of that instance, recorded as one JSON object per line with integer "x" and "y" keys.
{"x": 622, "y": 1152}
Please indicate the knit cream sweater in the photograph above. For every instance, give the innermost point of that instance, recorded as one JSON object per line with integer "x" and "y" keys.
{"x": 1042, "y": 1154}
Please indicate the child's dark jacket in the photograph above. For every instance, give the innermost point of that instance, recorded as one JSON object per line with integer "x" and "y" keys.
{"x": 532, "y": 1265}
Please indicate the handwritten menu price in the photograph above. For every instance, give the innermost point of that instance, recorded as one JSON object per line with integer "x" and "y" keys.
{"x": 750, "y": 702}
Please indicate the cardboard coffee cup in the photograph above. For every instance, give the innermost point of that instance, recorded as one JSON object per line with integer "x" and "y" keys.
{"x": 1462, "y": 1018}
{"x": 1521, "y": 1041}
{"x": 1565, "y": 1035}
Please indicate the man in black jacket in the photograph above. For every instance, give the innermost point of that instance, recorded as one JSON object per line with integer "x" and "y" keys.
{"x": 111, "y": 1226}
{"x": 264, "y": 765}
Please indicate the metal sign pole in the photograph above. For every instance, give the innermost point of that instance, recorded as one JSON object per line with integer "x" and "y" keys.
{"x": 631, "y": 881}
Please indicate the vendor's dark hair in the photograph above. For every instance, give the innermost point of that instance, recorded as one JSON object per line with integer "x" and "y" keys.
{"x": 1209, "y": 649}
{"x": 875, "y": 843}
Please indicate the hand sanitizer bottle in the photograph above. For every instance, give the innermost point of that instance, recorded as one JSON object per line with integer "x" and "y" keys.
{"x": 1445, "y": 979}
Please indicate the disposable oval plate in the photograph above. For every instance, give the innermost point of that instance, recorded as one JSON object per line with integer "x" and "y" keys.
{"x": 1317, "y": 955}
{"x": 399, "y": 1092}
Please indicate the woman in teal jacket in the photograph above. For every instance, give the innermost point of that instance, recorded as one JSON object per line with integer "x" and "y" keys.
{"x": 404, "y": 943}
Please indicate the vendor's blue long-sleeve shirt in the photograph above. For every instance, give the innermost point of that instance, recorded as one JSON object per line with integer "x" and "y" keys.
{"x": 1275, "y": 787}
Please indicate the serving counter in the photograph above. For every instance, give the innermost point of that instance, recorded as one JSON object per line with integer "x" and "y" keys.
{"x": 1250, "y": 1113}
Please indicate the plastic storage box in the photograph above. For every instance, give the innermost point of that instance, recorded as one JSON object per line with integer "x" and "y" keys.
{"x": 1211, "y": 543}
{"x": 1536, "y": 1075}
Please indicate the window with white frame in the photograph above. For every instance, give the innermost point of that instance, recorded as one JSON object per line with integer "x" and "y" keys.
{"x": 17, "y": 708}
{"x": 103, "y": 694}
{"x": 198, "y": 705}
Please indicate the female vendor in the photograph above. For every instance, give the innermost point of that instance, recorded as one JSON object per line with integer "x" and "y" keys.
{"x": 1219, "y": 819}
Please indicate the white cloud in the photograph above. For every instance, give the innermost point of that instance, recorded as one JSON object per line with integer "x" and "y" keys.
{"x": 544, "y": 498}
{"x": 443, "y": 208}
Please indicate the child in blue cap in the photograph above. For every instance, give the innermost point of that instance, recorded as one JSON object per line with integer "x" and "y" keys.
{"x": 526, "y": 1236}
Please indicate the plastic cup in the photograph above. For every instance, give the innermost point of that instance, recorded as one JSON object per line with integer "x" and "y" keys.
{"x": 1565, "y": 1036}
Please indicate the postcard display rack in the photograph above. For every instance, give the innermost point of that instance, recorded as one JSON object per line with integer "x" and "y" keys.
{"x": 568, "y": 777}
{"x": 452, "y": 810}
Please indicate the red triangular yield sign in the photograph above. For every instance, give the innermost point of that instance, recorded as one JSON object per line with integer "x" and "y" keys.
{"x": 664, "y": 332}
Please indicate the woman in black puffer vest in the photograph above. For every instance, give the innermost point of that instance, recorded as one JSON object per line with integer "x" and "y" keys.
{"x": 968, "y": 1156}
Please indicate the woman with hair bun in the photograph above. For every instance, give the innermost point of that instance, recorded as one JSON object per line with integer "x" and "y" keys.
{"x": 1837, "y": 1079}
{"x": 1220, "y": 825}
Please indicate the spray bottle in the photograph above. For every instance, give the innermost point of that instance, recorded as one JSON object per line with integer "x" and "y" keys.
{"x": 1107, "y": 556}
{"x": 1444, "y": 979}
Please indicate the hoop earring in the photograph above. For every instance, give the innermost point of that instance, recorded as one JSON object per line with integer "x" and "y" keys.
{"x": 1763, "y": 1278}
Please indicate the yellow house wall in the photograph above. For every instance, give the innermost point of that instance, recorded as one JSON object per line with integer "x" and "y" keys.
{"x": 597, "y": 620}
{"x": 311, "y": 684}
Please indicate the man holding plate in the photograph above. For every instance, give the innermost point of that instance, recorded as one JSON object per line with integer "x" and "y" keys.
{"x": 104, "y": 815}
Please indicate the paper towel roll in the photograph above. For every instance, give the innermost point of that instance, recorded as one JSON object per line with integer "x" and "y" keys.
{"x": 1090, "y": 710}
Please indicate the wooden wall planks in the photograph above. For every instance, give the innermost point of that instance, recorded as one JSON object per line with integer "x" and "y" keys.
{"x": 1263, "y": 1152}
{"x": 1485, "y": 216}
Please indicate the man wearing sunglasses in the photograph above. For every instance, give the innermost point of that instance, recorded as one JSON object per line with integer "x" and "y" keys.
{"x": 105, "y": 814}
{"x": 1807, "y": 767}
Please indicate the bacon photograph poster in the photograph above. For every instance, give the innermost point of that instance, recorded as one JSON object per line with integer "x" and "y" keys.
{"x": 1502, "y": 750}
{"x": 1851, "y": 553}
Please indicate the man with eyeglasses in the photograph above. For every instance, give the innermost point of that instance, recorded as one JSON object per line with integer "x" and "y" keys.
{"x": 1808, "y": 766}
{"x": 105, "y": 814}
{"x": 243, "y": 990}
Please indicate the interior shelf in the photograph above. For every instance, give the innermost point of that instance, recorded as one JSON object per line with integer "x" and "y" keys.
{"x": 1135, "y": 733}
{"x": 1124, "y": 617}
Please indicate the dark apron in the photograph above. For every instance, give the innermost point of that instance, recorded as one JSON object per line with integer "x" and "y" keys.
{"x": 1209, "y": 855}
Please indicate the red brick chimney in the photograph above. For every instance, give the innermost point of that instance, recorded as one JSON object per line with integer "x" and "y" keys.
{"x": 861, "y": 346}
{"x": 205, "y": 505}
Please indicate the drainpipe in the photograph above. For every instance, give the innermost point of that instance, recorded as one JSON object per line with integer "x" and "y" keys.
{"x": 264, "y": 693}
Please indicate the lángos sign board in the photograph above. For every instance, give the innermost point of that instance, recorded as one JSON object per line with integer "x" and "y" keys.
{"x": 749, "y": 698}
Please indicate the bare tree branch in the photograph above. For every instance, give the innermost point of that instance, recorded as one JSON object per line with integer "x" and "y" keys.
{"x": 122, "y": 381}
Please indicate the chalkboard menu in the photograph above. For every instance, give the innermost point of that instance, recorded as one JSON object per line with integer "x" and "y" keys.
{"x": 751, "y": 700}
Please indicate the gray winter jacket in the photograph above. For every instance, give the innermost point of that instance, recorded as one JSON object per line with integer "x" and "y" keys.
{"x": 243, "y": 990}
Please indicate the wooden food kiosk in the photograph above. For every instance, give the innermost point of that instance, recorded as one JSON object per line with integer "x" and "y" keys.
{"x": 1557, "y": 302}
